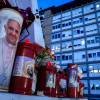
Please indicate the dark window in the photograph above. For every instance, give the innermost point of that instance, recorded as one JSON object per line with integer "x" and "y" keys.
{"x": 77, "y": 21}
{"x": 90, "y": 55}
{"x": 66, "y": 24}
{"x": 97, "y": 39}
{"x": 63, "y": 57}
{"x": 53, "y": 27}
{"x": 79, "y": 44}
{"x": 93, "y": 87}
{"x": 74, "y": 22}
{"x": 75, "y": 45}
{"x": 70, "y": 57}
{"x": 95, "y": 29}
{"x": 98, "y": 54}
{"x": 58, "y": 58}
{"x": 83, "y": 56}
{"x": 81, "y": 20}
{"x": 58, "y": 35}
{"x": 92, "y": 8}
{"x": 59, "y": 25}
{"x": 55, "y": 36}
{"x": 88, "y": 41}
{"x": 94, "y": 54}
{"x": 69, "y": 23}
{"x": 63, "y": 25}
{"x": 78, "y": 31}
{"x": 82, "y": 31}
{"x": 66, "y": 57}
{"x": 92, "y": 41}
{"x": 92, "y": 18}
{"x": 86, "y": 19}
{"x": 63, "y": 35}
{"x": 56, "y": 26}
{"x": 52, "y": 36}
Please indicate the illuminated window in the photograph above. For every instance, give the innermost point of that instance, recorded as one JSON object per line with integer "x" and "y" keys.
{"x": 97, "y": 5}
{"x": 94, "y": 70}
{"x": 83, "y": 42}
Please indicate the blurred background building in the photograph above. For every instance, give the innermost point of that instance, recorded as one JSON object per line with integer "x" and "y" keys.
{"x": 72, "y": 32}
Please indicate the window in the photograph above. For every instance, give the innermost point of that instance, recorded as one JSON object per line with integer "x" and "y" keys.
{"x": 58, "y": 35}
{"x": 93, "y": 40}
{"x": 99, "y": 28}
{"x": 66, "y": 46}
{"x": 95, "y": 86}
{"x": 98, "y": 54}
{"x": 88, "y": 42}
{"x": 97, "y": 39}
{"x": 98, "y": 15}
{"x": 78, "y": 32}
{"x": 58, "y": 58}
{"x": 63, "y": 35}
{"x": 88, "y": 8}
{"x": 84, "y": 69}
{"x": 94, "y": 55}
{"x": 66, "y": 34}
{"x": 77, "y": 21}
{"x": 55, "y": 47}
{"x": 90, "y": 55}
{"x": 55, "y": 37}
{"x": 56, "y": 18}
{"x": 85, "y": 86}
{"x": 63, "y": 57}
{"x": 80, "y": 43}
{"x": 97, "y": 5}
{"x": 79, "y": 56}
{"x": 94, "y": 70}
{"x": 66, "y": 15}
{"x": 66, "y": 24}
{"x": 56, "y": 27}
{"x": 91, "y": 29}
{"x": 77, "y": 12}
{"x": 89, "y": 18}
{"x": 66, "y": 58}
{"x": 83, "y": 56}
{"x": 70, "y": 57}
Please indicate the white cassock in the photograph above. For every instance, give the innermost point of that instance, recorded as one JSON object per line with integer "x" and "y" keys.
{"x": 7, "y": 55}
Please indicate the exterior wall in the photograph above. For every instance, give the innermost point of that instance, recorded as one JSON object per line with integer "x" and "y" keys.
{"x": 47, "y": 21}
{"x": 47, "y": 29}
{"x": 47, "y": 38}
{"x": 48, "y": 13}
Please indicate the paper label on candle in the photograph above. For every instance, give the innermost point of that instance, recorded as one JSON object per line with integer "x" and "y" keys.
{"x": 24, "y": 66}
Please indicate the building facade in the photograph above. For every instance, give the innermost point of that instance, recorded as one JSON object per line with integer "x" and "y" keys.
{"x": 72, "y": 32}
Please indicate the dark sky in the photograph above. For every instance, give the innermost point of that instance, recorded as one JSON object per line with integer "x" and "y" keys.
{"x": 48, "y": 3}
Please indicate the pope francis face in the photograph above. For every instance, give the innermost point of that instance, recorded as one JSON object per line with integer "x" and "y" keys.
{"x": 12, "y": 29}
